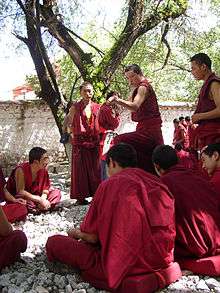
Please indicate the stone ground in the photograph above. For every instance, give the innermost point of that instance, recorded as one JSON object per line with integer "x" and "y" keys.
{"x": 36, "y": 275}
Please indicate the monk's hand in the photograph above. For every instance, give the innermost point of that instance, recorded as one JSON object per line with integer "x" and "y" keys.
{"x": 44, "y": 204}
{"x": 74, "y": 233}
{"x": 21, "y": 201}
{"x": 112, "y": 99}
{"x": 196, "y": 118}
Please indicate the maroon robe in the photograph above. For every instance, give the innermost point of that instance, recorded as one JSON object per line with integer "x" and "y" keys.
{"x": 85, "y": 175}
{"x": 36, "y": 187}
{"x": 13, "y": 211}
{"x": 215, "y": 180}
{"x": 187, "y": 159}
{"x": 208, "y": 131}
{"x": 107, "y": 123}
{"x": 148, "y": 131}
{"x": 197, "y": 213}
{"x": 11, "y": 246}
{"x": 132, "y": 214}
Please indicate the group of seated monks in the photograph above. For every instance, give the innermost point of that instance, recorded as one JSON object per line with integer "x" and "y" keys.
{"x": 140, "y": 230}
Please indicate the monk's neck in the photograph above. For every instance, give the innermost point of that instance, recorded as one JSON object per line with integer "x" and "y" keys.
{"x": 34, "y": 170}
{"x": 207, "y": 75}
{"x": 86, "y": 103}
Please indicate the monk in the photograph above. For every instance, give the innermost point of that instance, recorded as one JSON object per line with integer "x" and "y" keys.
{"x": 125, "y": 242}
{"x": 108, "y": 119}
{"x": 85, "y": 176}
{"x": 211, "y": 163}
{"x": 30, "y": 181}
{"x": 12, "y": 243}
{"x": 207, "y": 114}
{"x": 196, "y": 207}
{"x": 186, "y": 159}
{"x": 145, "y": 111}
{"x": 14, "y": 208}
{"x": 179, "y": 133}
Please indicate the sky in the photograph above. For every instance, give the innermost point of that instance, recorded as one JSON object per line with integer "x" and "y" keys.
{"x": 15, "y": 66}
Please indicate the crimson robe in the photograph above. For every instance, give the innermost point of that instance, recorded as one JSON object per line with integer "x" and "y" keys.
{"x": 187, "y": 159}
{"x": 85, "y": 175}
{"x": 215, "y": 180}
{"x": 197, "y": 213}
{"x": 208, "y": 131}
{"x": 13, "y": 211}
{"x": 11, "y": 246}
{"x": 107, "y": 124}
{"x": 132, "y": 213}
{"x": 148, "y": 132}
{"x": 36, "y": 187}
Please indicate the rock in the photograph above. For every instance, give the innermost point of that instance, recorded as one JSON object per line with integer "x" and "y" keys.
{"x": 212, "y": 283}
{"x": 83, "y": 286}
{"x": 68, "y": 289}
{"x": 40, "y": 289}
{"x": 202, "y": 286}
{"x": 79, "y": 291}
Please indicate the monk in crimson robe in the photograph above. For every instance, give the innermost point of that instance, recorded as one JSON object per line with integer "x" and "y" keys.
{"x": 145, "y": 111}
{"x": 128, "y": 233}
{"x": 108, "y": 119}
{"x": 85, "y": 176}
{"x": 196, "y": 207}
{"x": 30, "y": 181}
{"x": 14, "y": 208}
{"x": 179, "y": 133}
{"x": 12, "y": 243}
{"x": 207, "y": 114}
{"x": 211, "y": 163}
{"x": 186, "y": 159}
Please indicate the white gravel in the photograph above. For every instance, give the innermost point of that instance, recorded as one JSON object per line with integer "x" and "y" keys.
{"x": 37, "y": 275}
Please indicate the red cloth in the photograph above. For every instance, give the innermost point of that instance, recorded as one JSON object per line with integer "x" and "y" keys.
{"x": 15, "y": 212}
{"x": 208, "y": 131}
{"x": 11, "y": 246}
{"x": 148, "y": 132}
{"x": 209, "y": 266}
{"x": 187, "y": 159}
{"x": 132, "y": 214}
{"x": 36, "y": 187}
{"x": 107, "y": 123}
{"x": 197, "y": 213}
{"x": 215, "y": 180}
{"x": 85, "y": 175}
{"x": 2, "y": 184}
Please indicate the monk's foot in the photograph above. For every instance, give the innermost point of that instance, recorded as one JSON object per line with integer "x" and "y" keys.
{"x": 81, "y": 202}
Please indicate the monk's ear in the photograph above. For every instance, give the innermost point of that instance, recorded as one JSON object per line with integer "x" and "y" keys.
{"x": 216, "y": 156}
{"x": 157, "y": 169}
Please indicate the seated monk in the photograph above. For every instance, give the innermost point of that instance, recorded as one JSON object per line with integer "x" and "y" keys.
{"x": 211, "y": 163}
{"x": 12, "y": 243}
{"x": 14, "y": 208}
{"x": 186, "y": 159}
{"x": 196, "y": 207}
{"x": 30, "y": 181}
{"x": 125, "y": 242}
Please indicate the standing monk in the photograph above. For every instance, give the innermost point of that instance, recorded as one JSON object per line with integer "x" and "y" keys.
{"x": 12, "y": 243}
{"x": 85, "y": 176}
{"x": 207, "y": 114}
{"x": 145, "y": 111}
{"x": 30, "y": 181}
{"x": 127, "y": 237}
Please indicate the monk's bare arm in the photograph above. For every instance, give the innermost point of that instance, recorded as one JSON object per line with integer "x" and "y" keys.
{"x": 20, "y": 187}
{"x": 5, "y": 226}
{"x": 134, "y": 105}
{"x": 215, "y": 113}
{"x": 87, "y": 237}
{"x": 9, "y": 197}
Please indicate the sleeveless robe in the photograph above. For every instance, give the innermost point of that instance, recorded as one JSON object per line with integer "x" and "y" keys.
{"x": 132, "y": 213}
{"x": 85, "y": 175}
{"x": 36, "y": 187}
{"x": 148, "y": 131}
{"x": 208, "y": 131}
